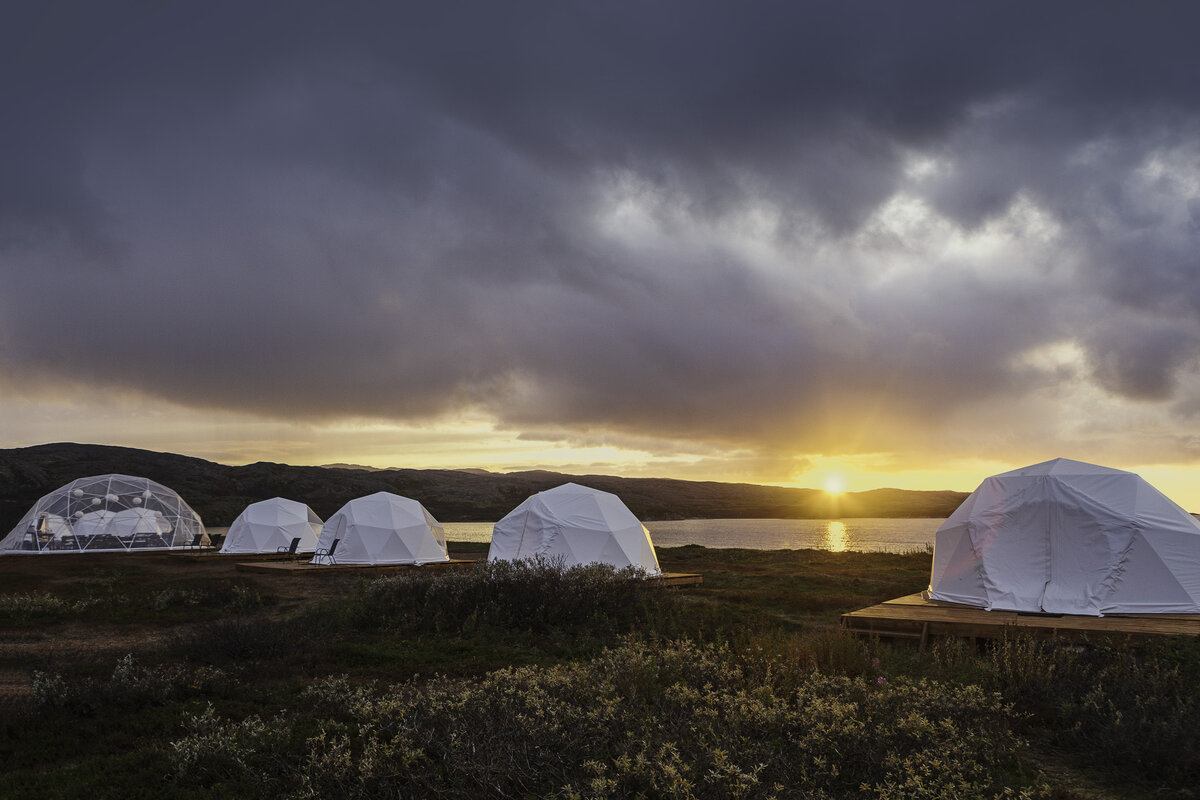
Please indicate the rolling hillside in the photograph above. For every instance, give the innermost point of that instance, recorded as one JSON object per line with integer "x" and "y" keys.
{"x": 219, "y": 492}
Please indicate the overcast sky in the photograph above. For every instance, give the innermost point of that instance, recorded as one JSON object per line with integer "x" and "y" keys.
{"x": 739, "y": 241}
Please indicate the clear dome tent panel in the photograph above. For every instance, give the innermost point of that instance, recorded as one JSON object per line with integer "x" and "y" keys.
{"x": 107, "y": 513}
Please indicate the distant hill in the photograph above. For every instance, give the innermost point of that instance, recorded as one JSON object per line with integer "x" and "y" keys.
{"x": 219, "y": 492}
{"x": 365, "y": 468}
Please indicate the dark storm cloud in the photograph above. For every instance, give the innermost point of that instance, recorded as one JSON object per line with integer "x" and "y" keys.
{"x": 550, "y": 211}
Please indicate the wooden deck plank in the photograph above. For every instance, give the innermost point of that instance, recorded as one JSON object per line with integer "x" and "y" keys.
{"x": 917, "y": 599}
{"x": 275, "y": 567}
{"x": 904, "y": 615}
{"x": 305, "y": 568}
{"x": 210, "y": 555}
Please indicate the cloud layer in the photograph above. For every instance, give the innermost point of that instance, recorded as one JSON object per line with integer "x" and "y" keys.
{"x": 788, "y": 229}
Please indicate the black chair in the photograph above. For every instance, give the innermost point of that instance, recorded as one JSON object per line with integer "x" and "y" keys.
{"x": 143, "y": 540}
{"x": 105, "y": 541}
{"x": 291, "y": 550}
{"x": 325, "y": 555}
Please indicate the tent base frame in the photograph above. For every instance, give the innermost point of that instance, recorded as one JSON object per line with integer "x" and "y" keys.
{"x": 915, "y": 617}
{"x": 297, "y": 567}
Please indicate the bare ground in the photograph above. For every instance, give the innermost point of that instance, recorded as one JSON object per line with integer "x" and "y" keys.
{"x": 27, "y": 645}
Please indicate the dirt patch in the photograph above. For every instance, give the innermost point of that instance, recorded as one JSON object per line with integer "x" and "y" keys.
{"x": 61, "y": 644}
{"x": 66, "y": 572}
{"x": 77, "y": 574}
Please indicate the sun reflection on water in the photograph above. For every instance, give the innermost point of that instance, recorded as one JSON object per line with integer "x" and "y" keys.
{"x": 835, "y": 536}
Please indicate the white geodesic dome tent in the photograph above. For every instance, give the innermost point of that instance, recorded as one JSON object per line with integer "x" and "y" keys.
{"x": 271, "y": 525}
{"x": 1065, "y": 537}
{"x": 106, "y": 513}
{"x": 382, "y": 528}
{"x": 577, "y": 525}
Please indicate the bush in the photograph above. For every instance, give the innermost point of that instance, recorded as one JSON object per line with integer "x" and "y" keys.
{"x": 239, "y": 640}
{"x": 1133, "y": 709}
{"x": 49, "y": 690}
{"x": 652, "y": 719}
{"x": 170, "y": 597}
{"x": 42, "y": 607}
{"x": 223, "y": 594}
{"x": 214, "y": 750}
{"x": 538, "y": 596}
{"x": 130, "y": 685}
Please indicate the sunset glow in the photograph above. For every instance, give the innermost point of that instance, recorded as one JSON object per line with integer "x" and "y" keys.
{"x": 745, "y": 299}
{"x": 835, "y": 536}
{"x": 834, "y": 484}
{"x": 770, "y": 267}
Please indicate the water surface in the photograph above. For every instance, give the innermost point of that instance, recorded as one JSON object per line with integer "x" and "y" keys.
{"x": 868, "y": 535}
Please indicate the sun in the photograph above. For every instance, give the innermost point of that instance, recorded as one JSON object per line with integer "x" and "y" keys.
{"x": 834, "y": 484}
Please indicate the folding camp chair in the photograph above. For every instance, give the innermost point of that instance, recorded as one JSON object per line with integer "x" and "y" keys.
{"x": 325, "y": 556}
{"x": 291, "y": 550}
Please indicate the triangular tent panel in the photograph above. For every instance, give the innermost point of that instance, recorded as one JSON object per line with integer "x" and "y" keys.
{"x": 1147, "y": 566}
{"x": 270, "y": 526}
{"x": 93, "y": 523}
{"x": 1065, "y": 537}
{"x": 106, "y": 513}
{"x": 958, "y": 572}
{"x": 383, "y": 528}
{"x": 576, "y": 524}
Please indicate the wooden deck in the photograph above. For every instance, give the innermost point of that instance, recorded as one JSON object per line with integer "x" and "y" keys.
{"x": 915, "y": 617}
{"x": 210, "y": 555}
{"x": 305, "y": 568}
{"x": 275, "y": 567}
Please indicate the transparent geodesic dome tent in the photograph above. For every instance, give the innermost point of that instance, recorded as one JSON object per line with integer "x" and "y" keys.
{"x": 107, "y": 513}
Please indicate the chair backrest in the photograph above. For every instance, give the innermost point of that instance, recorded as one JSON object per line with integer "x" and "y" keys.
{"x": 295, "y": 544}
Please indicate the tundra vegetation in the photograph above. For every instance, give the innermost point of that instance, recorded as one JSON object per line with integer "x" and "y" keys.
{"x": 152, "y": 676}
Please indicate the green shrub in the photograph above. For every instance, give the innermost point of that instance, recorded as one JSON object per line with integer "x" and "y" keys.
{"x": 654, "y": 719}
{"x": 49, "y": 690}
{"x": 172, "y": 596}
{"x": 214, "y": 750}
{"x": 208, "y": 595}
{"x": 238, "y": 640}
{"x": 130, "y": 685}
{"x": 539, "y": 596}
{"x": 1132, "y": 709}
{"x": 244, "y": 598}
{"x": 42, "y": 606}
{"x": 338, "y": 694}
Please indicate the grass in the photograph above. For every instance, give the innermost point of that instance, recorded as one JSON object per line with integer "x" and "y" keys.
{"x": 386, "y": 657}
{"x": 795, "y": 587}
{"x": 169, "y": 678}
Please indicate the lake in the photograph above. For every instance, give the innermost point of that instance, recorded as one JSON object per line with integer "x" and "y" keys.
{"x": 868, "y": 535}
